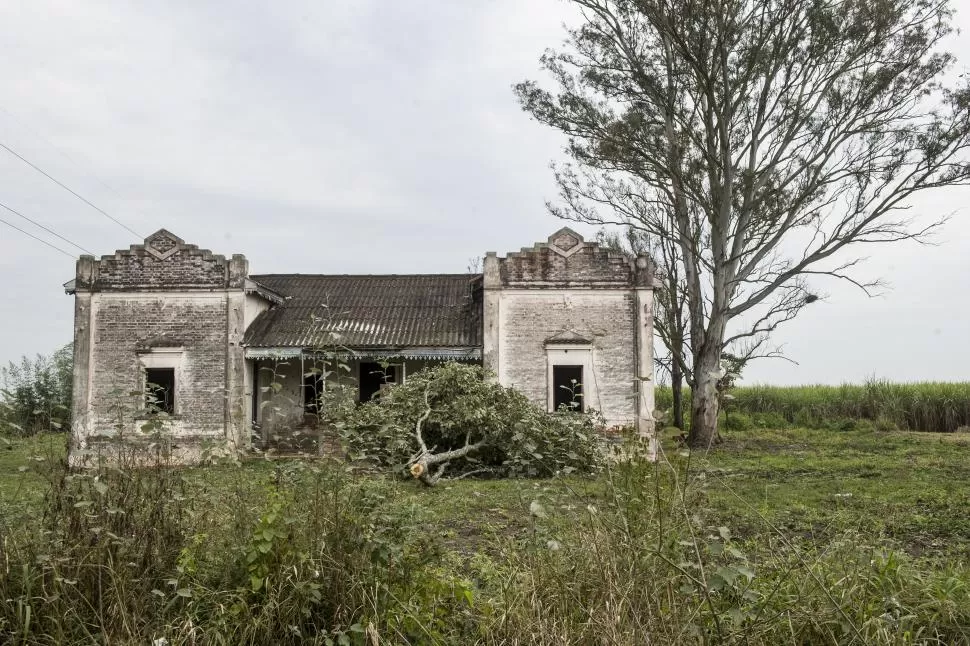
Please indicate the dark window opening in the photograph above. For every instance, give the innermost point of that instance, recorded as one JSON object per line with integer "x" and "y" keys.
{"x": 254, "y": 412}
{"x": 373, "y": 378}
{"x": 567, "y": 384}
{"x": 160, "y": 390}
{"x": 312, "y": 389}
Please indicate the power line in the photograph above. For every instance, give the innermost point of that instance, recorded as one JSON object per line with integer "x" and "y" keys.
{"x": 68, "y": 189}
{"x": 27, "y": 233}
{"x": 50, "y": 231}
{"x": 26, "y": 126}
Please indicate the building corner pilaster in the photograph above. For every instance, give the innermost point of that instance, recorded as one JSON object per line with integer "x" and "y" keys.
{"x": 491, "y": 320}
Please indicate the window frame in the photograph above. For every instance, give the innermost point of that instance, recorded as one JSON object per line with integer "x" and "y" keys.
{"x": 169, "y": 358}
{"x": 154, "y": 386}
{"x": 571, "y": 354}
{"x": 557, "y": 389}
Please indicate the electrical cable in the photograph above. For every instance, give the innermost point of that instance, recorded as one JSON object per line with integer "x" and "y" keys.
{"x": 72, "y": 192}
{"x": 41, "y": 226}
{"x": 61, "y": 151}
{"x": 31, "y": 235}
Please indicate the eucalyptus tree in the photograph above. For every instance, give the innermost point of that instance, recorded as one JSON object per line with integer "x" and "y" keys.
{"x": 782, "y": 135}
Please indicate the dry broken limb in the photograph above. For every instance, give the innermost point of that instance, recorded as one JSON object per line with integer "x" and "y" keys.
{"x": 779, "y": 135}
{"x": 422, "y": 464}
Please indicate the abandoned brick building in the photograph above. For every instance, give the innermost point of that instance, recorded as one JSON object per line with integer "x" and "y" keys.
{"x": 209, "y": 336}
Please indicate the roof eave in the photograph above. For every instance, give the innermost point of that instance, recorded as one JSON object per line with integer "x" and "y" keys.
{"x": 253, "y": 287}
{"x": 469, "y": 353}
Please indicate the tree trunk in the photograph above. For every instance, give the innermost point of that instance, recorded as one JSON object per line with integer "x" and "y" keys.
{"x": 677, "y": 388}
{"x": 704, "y": 401}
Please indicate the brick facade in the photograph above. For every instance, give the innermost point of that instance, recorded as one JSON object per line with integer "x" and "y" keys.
{"x": 570, "y": 302}
{"x": 169, "y": 307}
{"x": 162, "y": 304}
{"x": 127, "y": 325}
{"x": 606, "y": 317}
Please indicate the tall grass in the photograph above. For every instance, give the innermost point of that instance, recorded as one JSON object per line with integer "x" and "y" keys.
{"x": 296, "y": 553}
{"x": 929, "y": 406}
{"x": 311, "y": 553}
{"x": 649, "y": 567}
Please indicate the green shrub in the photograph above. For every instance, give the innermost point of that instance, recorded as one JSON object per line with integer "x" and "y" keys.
{"x": 304, "y": 554}
{"x": 455, "y": 405}
{"x": 737, "y": 421}
{"x": 35, "y": 394}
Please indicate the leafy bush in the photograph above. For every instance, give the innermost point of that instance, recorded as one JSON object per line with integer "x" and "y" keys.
{"x": 737, "y": 421}
{"x": 35, "y": 394}
{"x": 454, "y": 406}
{"x": 302, "y": 554}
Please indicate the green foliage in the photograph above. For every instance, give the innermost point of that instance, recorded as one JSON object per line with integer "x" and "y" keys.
{"x": 465, "y": 406}
{"x": 737, "y": 421}
{"x": 131, "y": 553}
{"x": 270, "y": 541}
{"x": 651, "y": 545}
{"x": 795, "y": 536}
{"x": 35, "y": 394}
{"x": 931, "y": 406}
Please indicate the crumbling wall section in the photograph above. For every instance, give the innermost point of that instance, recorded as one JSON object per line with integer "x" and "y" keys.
{"x": 606, "y": 318}
{"x": 162, "y": 304}
{"x": 567, "y": 301}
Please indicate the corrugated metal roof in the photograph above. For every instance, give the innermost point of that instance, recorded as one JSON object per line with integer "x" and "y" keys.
{"x": 399, "y": 311}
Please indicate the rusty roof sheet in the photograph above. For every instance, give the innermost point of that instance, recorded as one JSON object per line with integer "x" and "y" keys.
{"x": 389, "y": 311}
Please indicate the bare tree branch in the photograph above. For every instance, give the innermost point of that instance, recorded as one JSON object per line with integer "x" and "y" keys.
{"x": 759, "y": 141}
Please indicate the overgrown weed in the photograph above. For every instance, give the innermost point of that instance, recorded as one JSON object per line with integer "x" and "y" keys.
{"x": 292, "y": 551}
{"x": 129, "y": 552}
{"x": 647, "y": 563}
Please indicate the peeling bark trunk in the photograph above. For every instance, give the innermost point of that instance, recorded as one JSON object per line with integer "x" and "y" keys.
{"x": 704, "y": 400}
{"x": 677, "y": 388}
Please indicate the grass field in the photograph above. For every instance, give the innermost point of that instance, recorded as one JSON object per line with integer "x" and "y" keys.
{"x": 797, "y": 536}
{"x": 929, "y": 406}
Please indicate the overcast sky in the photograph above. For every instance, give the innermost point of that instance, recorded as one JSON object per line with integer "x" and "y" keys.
{"x": 353, "y": 136}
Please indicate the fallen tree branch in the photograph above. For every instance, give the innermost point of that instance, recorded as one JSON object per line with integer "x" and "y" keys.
{"x": 420, "y": 464}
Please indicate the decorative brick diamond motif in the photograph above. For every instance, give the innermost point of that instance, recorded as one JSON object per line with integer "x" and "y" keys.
{"x": 162, "y": 244}
{"x": 566, "y": 241}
